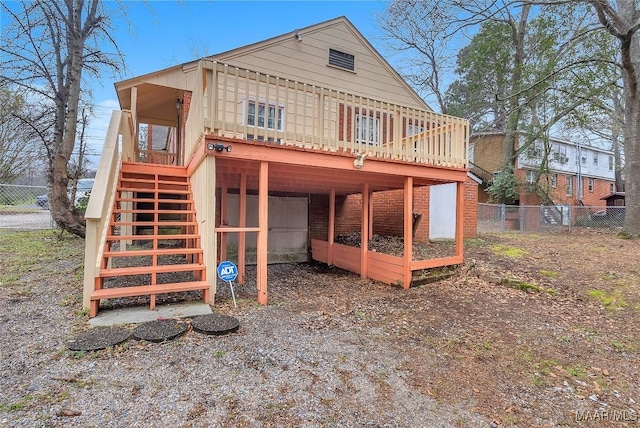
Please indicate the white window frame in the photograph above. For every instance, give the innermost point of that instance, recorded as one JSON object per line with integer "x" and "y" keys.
{"x": 554, "y": 180}
{"x": 611, "y": 163}
{"x": 612, "y": 187}
{"x": 370, "y": 132}
{"x": 531, "y": 176}
{"x": 569, "y": 186}
{"x": 590, "y": 184}
{"x": 261, "y": 118}
{"x": 595, "y": 159}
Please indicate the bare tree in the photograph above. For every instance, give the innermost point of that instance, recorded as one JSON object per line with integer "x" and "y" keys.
{"x": 621, "y": 19}
{"x": 48, "y": 47}
{"x": 19, "y": 147}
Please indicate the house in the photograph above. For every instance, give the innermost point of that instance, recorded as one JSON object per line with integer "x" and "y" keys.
{"x": 270, "y": 152}
{"x": 577, "y": 174}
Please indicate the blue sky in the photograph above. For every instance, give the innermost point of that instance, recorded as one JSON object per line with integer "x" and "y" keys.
{"x": 166, "y": 33}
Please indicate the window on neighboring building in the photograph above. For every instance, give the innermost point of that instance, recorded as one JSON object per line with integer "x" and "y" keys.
{"x": 554, "y": 180}
{"x": 367, "y": 129}
{"x": 534, "y": 151}
{"x": 595, "y": 159}
{"x": 342, "y": 60}
{"x": 556, "y": 156}
{"x": 584, "y": 160}
{"x": 264, "y": 116}
{"x": 591, "y": 184}
{"x": 612, "y": 187}
{"x": 531, "y": 177}
{"x": 569, "y": 186}
{"x": 610, "y": 163}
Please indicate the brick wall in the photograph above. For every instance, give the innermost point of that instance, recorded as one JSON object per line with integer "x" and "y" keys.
{"x": 388, "y": 213}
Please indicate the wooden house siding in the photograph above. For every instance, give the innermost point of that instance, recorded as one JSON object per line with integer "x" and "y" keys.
{"x": 307, "y": 61}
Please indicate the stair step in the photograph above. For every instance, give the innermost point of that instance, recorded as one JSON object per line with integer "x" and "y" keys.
{"x": 161, "y": 191}
{"x": 140, "y": 211}
{"x": 158, "y": 252}
{"x": 151, "y": 200}
{"x": 151, "y": 237}
{"x": 141, "y": 270}
{"x": 153, "y": 169}
{"x": 155, "y": 223}
{"x": 145, "y": 290}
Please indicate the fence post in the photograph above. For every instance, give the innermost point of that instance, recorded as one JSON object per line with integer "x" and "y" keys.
{"x": 570, "y": 217}
{"x": 503, "y": 217}
{"x": 521, "y": 210}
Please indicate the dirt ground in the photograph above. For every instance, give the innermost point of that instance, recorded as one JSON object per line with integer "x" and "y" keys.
{"x": 534, "y": 330}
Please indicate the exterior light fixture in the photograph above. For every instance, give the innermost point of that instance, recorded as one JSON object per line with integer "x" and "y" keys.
{"x": 218, "y": 147}
{"x": 359, "y": 160}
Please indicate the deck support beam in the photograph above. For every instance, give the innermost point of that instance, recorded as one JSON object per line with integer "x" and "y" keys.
{"x": 459, "y": 218}
{"x": 364, "y": 233}
{"x": 242, "y": 222}
{"x": 224, "y": 191}
{"x": 408, "y": 231}
{"x": 332, "y": 225}
{"x": 263, "y": 225}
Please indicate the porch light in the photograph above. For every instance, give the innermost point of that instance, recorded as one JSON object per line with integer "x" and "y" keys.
{"x": 359, "y": 160}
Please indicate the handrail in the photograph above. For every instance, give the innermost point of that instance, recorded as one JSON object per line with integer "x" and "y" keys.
{"x": 240, "y": 103}
{"x": 100, "y": 205}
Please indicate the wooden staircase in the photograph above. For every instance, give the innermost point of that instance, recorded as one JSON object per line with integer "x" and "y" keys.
{"x": 153, "y": 245}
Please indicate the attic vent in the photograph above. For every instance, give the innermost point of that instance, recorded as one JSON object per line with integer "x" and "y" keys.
{"x": 342, "y": 60}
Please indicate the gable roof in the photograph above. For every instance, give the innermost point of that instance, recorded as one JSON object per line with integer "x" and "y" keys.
{"x": 341, "y": 20}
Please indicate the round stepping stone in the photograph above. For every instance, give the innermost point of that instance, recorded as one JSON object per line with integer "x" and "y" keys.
{"x": 98, "y": 338}
{"x": 216, "y": 324}
{"x": 160, "y": 330}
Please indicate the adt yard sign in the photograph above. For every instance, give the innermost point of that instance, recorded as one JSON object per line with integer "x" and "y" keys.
{"x": 227, "y": 271}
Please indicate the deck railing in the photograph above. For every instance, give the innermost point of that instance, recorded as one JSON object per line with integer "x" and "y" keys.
{"x": 240, "y": 103}
{"x": 100, "y": 206}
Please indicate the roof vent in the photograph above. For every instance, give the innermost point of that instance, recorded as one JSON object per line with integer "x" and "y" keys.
{"x": 342, "y": 60}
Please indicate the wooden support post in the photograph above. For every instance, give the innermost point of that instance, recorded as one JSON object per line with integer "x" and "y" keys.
{"x": 370, "y": 214}
{"x": 223, "y": 220}
{"x": 263, "y": 225}
{"x": 459, "y": 218}
{"x": 242, "y": 236}
{"x": 364, "y": 233}
{"x": 332, "y": 225}
{"x": 408, "y": 231}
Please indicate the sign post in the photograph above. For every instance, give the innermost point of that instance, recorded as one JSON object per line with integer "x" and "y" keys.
{"x": 228, "y": 272}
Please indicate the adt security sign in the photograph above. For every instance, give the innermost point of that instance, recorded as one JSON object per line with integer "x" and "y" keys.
{"x": 227, "y": 271}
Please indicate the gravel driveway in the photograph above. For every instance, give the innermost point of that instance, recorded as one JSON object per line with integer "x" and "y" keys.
{"x": 290, "y": 364}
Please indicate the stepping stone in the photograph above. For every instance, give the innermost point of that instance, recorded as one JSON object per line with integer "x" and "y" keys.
{"x": 98, "y": 338}
{"x": 216, "y": 324}
{"x": 160, "y": 330}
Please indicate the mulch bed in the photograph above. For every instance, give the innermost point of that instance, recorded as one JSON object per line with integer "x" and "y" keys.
{"x": 215, "y": 324}
{"x": 98, "y": 338}
{"x": 160, "y": 330}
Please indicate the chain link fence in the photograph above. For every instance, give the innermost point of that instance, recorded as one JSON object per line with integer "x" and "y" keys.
{"x": 543, "y": 218}
{"x": 24, "y": 207}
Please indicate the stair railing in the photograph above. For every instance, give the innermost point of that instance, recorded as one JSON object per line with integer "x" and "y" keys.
{"x": 101, "y": 201}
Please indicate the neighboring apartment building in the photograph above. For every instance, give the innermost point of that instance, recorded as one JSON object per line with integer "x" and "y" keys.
{"x": 578, "y": 174}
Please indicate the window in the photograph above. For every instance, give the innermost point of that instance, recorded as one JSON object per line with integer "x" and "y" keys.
{"x": 610, "y": 163}
{"x": 569, "y": 186}
{"x": 367, "y": 130}
{"x": 612, "y": 188}
{"x": 342, "y": 60}
{"x": 414, "y": 129}
{"x": 556, "y": 156}
{"x": 264, "y": 115}
{"x": 531, "y": 177}
{"x": 554, "y": 180}
{"x": 584, "y": 160}
{"x": 534, "y": 151}
{"x": 591, "y": 184}
{"x": 595, "y": 159}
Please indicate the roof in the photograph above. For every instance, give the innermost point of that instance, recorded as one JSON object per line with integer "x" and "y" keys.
{"x": 243, "y": 50}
